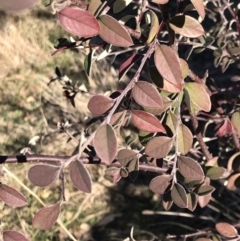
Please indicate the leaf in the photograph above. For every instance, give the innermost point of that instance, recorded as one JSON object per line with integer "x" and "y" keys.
{"x": 11, "y": 196}
{"x": 80, "y": 176}
{"x": 184, "y": 139}
{"x": 204, "y": 190}
{"x": 154, "y": 26}
{"x": 184, "y": 68}
{"x": 192, "y": 201}
{"x": 179, "y": 196}
{"x": 186, "y": 26}
{"x": 215, "y": 173}
{"x": 234, "y": 182}
{"x": 159, "y": 184}
{"x": 46, "y": 217}
{"x": 88, "y": 62}
{"x": 171, "y": 121}
{"x": 105, "y": 143}
{"x": 234, "y": 162}
{"x": 42, "y": 175}
{"x": 123, "y": 172}
{"x": 10, "y": 235}
{"x": 114, "y": 172}
{"x": 167, "y": 63}
{"x": 127, "y": 64}
{"x": 226, "y": 128}
{"x": 119, "y": 5}
{"x": 100, "y": 104}
{"x": 16, "y": 5}
{"x": 79, "y": 22}
{"x": 236, "y": 122}
{"x": 160, "y": 1}
{"x": 198, "y": 4}
{"x": 146, "y": 95}
{"x": 198, "y": 96}
{"x": 226, "y": 230}
{"x": 146, "y": 122}
{"x": 159, "y": 147}
{"x": 204, "y": 200}
{"x": 125, "y": 156}
{"x": 113, "y": 32}
{"x": 119, "y": 117}
{"x": 93, "y": 6}
{"x": 167, "y": 200}
{"x": 189, "y": 168}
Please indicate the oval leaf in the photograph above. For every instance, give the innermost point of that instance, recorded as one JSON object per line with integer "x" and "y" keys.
{"x": 234, "y": 162}
{"x": 93, "y": 6}
{"x": 80, "y": 176}
{"x": 198, "y": 96}
{"x": 105, "y": 143}
{"x": 198, "y": 4}
{"x": 159, "y": 147}
{"x": 204, "y": 190}
{"x": 154, "y": 26}
{"x": 114, "y": 172}
{"x": 113, "y": 32}
{"x": 119, "y": 5}
{"x": 189, "y": 168}
{"x": 234, "y": 182}
{"x": 236, "y": 122}
{"x": 46, "y": 217}
{"x": 204, "y": 200}
{"x": 192, "y": 201}
{"x": 186, "y": 26}
{"x": 42, "y": 175}
{"x": 146, "y": 122}
{"x": 99, "y": 104}
{"x": 10, "y": 235}
{"x": 79, "y": 22}
{"x": 179, "y": 196}
{"x": 226, "y": 230}
{"x": 125, "y": 156}
{"x": 159, "y": 184}
{"x": 146, "y": 95}
{"x": 11, "y": 196}
{"x": 215, "y": 173}
{"x": 168, "y": 65}
{"x": 184, "y": 138}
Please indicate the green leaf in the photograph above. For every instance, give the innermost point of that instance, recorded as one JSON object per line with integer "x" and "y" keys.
{"x": 236, "y": 122}
{"x": 119, "y": 5}
{"x": 184, "y": 139}
{"x": 179, "y": 196}
{"x": 154, "y": 26}
{"x": 215, "y": 173}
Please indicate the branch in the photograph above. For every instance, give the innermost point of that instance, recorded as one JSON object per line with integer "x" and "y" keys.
{"x": 60, "y": 159}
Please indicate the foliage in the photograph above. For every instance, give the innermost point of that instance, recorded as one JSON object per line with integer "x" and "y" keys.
{"x": 155, "y": 109}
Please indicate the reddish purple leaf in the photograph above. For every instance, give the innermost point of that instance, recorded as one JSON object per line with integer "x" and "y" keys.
{"x": 146, "y": 122}
{"x": 204, "y": 200}
{"x": 105, "y": 143}
{"x": 46, "y": 217}
{"x": 79, "y": 22}
{"x": 159, "y": 184}
{"x": 16, "y": 5}
{"x": 114, "y": 173}
{"x": 226, "y": 128}
{"x": 168, "y": 65}
{"x": 189, "y": 168}
{"x": 113, "y": 32}
{"x": 99, "y": 104}
{"x": 10, "y": 235}
{"x": 11, "y": 196}
{"x": 80, "y": 176}
{"x": 226, "y": 230}
{"x": 42, "y": 175}
{"x": 159, "y": 147}
{"x": 127, "y": 64}
{"x": 146, "y": 95}
{"x": 198, "y": 4}
{"x": 179, "y": 196}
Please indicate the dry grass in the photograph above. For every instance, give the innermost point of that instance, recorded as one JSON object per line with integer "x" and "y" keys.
{"x": 29, "y": 107}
